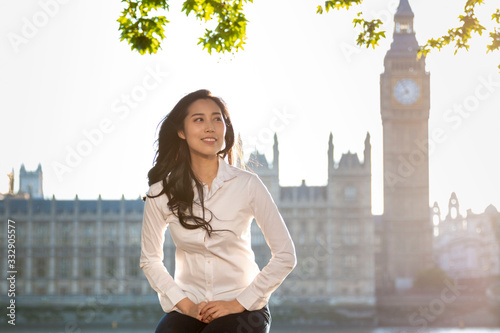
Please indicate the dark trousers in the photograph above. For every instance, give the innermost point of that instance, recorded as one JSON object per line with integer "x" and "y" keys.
{"x": 258, "y": 321}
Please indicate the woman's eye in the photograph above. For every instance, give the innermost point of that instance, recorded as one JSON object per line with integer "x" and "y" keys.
{"x": 198, "y": 119}
{"x": 218, "y": 118}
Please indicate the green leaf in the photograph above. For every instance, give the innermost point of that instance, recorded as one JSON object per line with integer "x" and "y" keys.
{"x": 496, "y": 16}
{"x": 140, "y": 30}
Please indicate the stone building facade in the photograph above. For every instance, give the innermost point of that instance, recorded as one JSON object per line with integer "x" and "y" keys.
{"x": 467, "y": 246}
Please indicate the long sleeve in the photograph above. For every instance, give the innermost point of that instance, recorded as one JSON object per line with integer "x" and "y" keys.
{"x": 151, "y": 261}
{"x": 283, "y": 259}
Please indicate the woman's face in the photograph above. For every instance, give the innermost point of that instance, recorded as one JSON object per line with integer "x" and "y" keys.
{"x": 204, "y": 128}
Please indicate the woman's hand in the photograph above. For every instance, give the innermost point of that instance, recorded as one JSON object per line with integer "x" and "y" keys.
{"x": 195, "y": 310}
{"x": 191, "y": 309}
{"x": 216, "y": 309}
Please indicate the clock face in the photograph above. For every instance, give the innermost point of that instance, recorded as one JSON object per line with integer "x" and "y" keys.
{"x": 406, "y": 91}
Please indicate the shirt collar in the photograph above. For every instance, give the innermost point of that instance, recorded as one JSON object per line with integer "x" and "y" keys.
{"x": 225, "y": 172}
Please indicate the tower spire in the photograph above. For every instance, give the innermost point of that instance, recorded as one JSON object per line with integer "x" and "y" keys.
{"x": 368, "y": 149}
{"x": 404, "y": 9}
{"x": 404, "y": 41}
{"x": 330, "y": 155}
{"x": 276, "y": 153}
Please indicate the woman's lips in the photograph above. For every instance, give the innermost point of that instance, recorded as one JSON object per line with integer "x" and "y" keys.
{"x": 209, "y": 141}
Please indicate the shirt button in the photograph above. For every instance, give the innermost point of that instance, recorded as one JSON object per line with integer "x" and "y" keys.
{"x": 208, "y": 261}
{"x": 208, "y": 282}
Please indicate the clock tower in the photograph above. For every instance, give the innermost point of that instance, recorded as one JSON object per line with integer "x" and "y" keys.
{"x": 404, "y": 107}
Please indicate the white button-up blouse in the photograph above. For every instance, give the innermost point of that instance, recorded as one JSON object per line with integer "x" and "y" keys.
{"x": 220, "y": 267}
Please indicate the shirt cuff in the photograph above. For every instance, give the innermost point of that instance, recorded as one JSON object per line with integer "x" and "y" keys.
{"x": 170, "y": 299}
{"x": 251, "y": 301}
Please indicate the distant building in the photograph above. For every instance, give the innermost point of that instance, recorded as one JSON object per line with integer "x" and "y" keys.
{"x": 332, "y": 227}
{"x": 75, "y": 247}
{"x": 467, "y": 247}
{"x": 404, "y": 107}
{"x": 30, "y": 182}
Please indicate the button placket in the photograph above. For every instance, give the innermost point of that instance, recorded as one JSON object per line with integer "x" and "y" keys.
{"x": 209, "y": 276}
{"x": 209, "y": 271}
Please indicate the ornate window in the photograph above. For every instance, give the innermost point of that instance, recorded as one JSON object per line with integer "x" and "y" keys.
{"x": 350, "y": 233}
{"x": 110, "y": 267}
{"x": 133, "y": 234}
{"x": 303, "y": 233}
{"x": 41, "y": 267}
{"x": 350, "y": 261}
{"x": 133, "y": 266}
{"x": 87, "y": 233}
{"x": 64, "y": 267}
{"x": 109, "y": 233}
{"x": 41, "y": 234}
{"x": 403, "y": 27}
{"x": 64, "y": 232}
{"x": 86, "y": 267}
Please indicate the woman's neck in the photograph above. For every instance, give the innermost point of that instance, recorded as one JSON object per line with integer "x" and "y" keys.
{"x": 205, "y": 169}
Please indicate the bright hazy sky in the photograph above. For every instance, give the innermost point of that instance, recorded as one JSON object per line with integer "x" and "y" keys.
{"x": 72, "y": 76}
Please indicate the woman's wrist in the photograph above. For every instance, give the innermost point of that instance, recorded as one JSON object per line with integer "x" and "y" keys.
{"x": 237, "y": 305}
{"x": 185, "y": 305}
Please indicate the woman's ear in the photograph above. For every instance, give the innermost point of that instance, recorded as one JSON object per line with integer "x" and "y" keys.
{"x": 181, "y": 135}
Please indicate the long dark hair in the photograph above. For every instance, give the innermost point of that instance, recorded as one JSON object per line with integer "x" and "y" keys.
{"x": 172, "y": 162}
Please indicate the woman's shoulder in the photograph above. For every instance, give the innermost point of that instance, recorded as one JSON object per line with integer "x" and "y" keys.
{"x": 155, "y": 188}
{"x": 161, "y": 201}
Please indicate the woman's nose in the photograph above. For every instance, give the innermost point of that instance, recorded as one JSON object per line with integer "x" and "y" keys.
{"x": 210, "y": 127}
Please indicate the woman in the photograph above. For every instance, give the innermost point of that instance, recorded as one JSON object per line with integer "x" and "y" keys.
{"x": 208, "y": 205}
